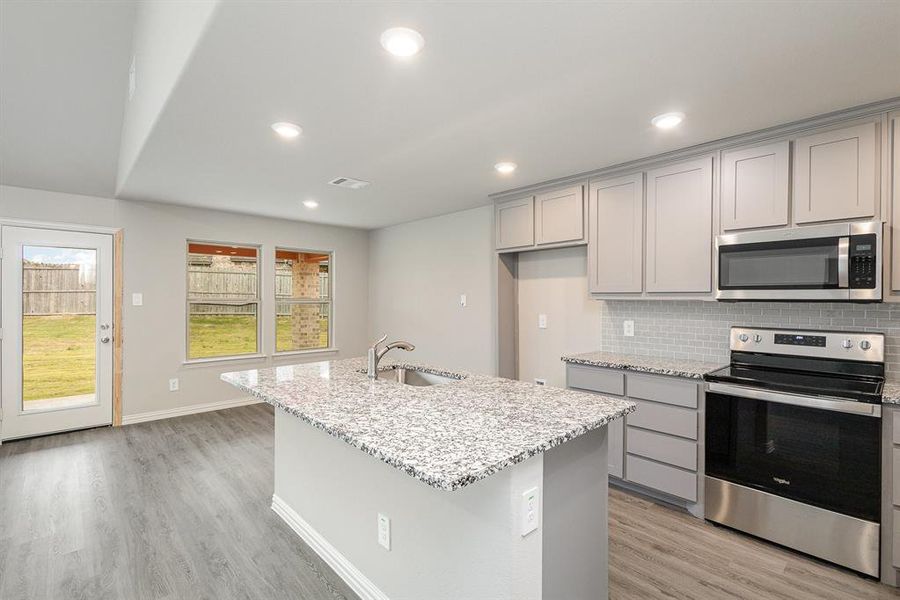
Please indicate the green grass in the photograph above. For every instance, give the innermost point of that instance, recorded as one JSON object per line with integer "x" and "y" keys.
{"x": 58, "y": 356}
{"x": 59, "y": 350}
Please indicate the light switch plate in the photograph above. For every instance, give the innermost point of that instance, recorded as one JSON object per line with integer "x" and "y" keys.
{"x": 137, "y": 299}
{"x": 542, "y": 321}
{"x": 531, "y": 510}
{"x": 628, "y": 328}
{"x": 462, "y": 300}
{"x": 173, "y": 385}
{"x": 384, "y": 531}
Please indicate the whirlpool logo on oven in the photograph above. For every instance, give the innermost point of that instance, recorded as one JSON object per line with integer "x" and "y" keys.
{"x": 781, "y": 481}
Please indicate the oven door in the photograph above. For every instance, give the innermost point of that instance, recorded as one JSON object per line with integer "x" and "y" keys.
{"x": 784, "y": 269}
{"x": 819, "y": 452}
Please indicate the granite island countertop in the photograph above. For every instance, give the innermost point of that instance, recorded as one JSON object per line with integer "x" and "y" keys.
{"x": 448, "y": 435}
{"x": 675, "y": 367}
{"x": 891, "y": 393}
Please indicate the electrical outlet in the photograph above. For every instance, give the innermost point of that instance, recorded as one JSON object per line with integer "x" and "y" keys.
{"x": 384, "y": 531}
{"x": 540, "y": 381}
{"x": 137, "y": 299}
{"x": 628, "y": 328}
{"x": 531, "y": 510}
{"x": 462, "y": 300}
{"x": 173, "y": 385}
{"x": 542, "y": 321}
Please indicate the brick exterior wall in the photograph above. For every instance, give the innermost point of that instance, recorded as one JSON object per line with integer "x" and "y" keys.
{"x": 305, "y": 329}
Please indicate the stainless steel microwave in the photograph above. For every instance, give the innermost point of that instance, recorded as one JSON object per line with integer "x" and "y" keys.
{"x": 831, "y": 263}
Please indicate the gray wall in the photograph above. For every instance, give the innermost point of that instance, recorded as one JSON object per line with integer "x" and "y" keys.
{"x": 699, "y": 330}
{"x": 155, "y": 234}
{"x": 554, "y": 283}
{"x": 418, "y": 271}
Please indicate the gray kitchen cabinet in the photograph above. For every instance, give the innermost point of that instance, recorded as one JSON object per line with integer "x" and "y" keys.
{"x": 514, "y": 222}
{"x": 616, "y": 235}
{"x": 894, "y": 151}
{"x": 755, "y": 186}
{"x": 679, "y": 227}
{"x": 656, "y": 447}
{"x": 836, "y": 174}
{"x": 559, "y": 216}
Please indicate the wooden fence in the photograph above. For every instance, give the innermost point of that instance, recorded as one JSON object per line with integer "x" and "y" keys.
{"x": 58, "y": 289}
{"x": 71, "y": 290}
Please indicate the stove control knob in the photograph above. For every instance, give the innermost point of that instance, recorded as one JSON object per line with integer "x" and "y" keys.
{"x": 757, "y": 338}
{"x": 865, "y": 344}
{"x": 743, "y": 337}
{"x": 847, "y": 344}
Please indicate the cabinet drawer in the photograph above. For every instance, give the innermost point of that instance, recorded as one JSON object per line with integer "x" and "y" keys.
{"x": 895, "y": 469}
{"x": 896, "y": 425}
{"x": 670, "y": 450}
{"x": 896, "y": 541}
{"x": 605, "y": 381}
{"x": 667, "y": 390}
{"x": 664, "y": 478}
{"x": 674, "y": 420}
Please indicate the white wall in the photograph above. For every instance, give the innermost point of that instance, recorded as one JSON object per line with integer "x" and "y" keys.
{"x": 554, "y": 282}
{"x": 418, "y": 271}
{"x": 154, "y": 264}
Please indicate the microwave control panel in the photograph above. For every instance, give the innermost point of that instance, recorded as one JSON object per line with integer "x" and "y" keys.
{"x": 863, "y": 262}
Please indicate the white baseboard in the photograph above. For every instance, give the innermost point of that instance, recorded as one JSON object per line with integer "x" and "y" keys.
{"x": 354, "y": 578}
{"x": 187, "y": 410}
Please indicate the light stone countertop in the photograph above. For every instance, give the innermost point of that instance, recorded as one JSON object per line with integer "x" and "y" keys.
{"x": 447, "y": 436}
{"x": 891, "y": 393}
{"x": 693, "y": 369}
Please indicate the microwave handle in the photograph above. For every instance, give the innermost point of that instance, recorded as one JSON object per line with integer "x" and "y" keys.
{"x": 843, "y": 262}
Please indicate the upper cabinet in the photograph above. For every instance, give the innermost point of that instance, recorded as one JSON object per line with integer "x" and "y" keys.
{"x": 559, "y": 216}
{"x": 679, "y": 227}
{"x": 836, "y": 174}
{"x": 616, "y": 234}
{"x": 514, "y": 220}
{"x": 894, "y": 169}
{"x": 755, "y": 184}
{"x": 548, "y": 220}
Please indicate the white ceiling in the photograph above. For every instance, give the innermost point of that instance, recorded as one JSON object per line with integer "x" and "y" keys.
{"x": 63, "y": 84}
{"x": 559, "y": 88}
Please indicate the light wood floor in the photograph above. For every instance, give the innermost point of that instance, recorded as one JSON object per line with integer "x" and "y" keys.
{"x": 179, "y": 509}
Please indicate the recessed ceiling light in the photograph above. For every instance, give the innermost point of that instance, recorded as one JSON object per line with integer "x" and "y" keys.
{"x": 402, "y": 41}
{"x": 286, "y": 130}
{"x": 668, "y": 120}
{"x": 310, "y": 204}
{"x": 505, "y": 167}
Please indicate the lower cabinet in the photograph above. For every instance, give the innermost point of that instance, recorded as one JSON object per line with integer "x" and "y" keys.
{"x": 657, "y": 446}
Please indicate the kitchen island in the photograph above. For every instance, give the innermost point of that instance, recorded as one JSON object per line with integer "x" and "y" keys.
{"x": 458, "y": 486}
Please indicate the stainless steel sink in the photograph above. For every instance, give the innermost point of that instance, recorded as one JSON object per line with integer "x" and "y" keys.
{"x": 414, "y": 377}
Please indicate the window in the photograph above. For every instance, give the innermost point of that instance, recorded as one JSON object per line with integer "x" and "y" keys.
{"x": 223, "y": 300}
{"x": 303, "y": 302}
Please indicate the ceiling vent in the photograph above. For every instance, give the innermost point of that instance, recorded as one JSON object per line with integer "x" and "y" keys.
{"x": 348, "y": 182}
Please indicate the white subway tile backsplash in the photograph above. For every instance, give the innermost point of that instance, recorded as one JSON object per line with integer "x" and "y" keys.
{"x": 698, "y": 330}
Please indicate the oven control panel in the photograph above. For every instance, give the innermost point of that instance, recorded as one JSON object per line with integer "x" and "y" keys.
{"x": 863, "y": 263}
{"x": 847, "y": 345}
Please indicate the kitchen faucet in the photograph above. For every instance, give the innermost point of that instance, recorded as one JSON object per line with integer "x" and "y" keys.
{"x": 374, "y": 355}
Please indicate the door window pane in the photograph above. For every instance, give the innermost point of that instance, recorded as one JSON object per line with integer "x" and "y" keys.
{"x": 223, "y": 300}
{"x": 303, "y": 300}
{"x": 59, "y": 327}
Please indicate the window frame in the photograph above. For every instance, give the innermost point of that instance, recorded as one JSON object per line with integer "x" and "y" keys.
{"x": 258, "y": 301}
{"x": 329, "y": 302}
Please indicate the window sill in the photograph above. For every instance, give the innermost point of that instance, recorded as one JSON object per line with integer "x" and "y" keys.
{"x": 313, "y": 351}
{"x": 205, "y": 362}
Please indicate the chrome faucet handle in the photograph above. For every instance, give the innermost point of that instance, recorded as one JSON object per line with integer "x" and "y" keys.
{"x": 380, "y": 341}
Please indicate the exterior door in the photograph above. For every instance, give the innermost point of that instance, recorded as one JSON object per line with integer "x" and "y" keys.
{"x": 56, "y": 300}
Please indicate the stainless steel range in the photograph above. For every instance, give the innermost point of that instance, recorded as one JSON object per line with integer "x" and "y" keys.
{"x": 793, "y": 441}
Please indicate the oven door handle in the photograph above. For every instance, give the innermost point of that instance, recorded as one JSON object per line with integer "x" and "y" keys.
{"x": 835, "y": 405}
